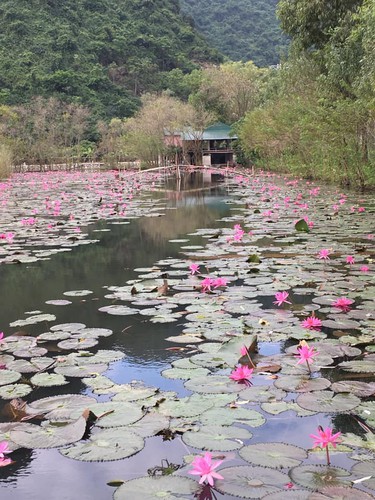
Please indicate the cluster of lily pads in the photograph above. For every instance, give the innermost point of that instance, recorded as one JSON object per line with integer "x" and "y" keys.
{"x": 42, "y": 214}
{"x": 270, "y": 245}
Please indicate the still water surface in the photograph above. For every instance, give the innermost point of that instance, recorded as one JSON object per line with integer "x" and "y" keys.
{"x": 45, "y": 474}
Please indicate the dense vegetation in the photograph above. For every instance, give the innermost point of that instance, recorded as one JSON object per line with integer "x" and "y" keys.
{"x": 246, "y": 30}
{"x": 318, "y": 117}
{"x": 101, "y": 54}
{"x": 313, "y": 116}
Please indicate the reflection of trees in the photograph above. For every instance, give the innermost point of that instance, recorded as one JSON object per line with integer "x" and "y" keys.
{"x": 347, "y": 423}
{"x": 176, "y": 222}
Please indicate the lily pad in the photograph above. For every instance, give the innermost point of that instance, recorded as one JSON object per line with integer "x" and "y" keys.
{"x": 77, "y": 343}
{"x": 48, "y": 380}
{"x": 274, "y": 455}
{"x": 15, "y": 391}
{"x": 356, "y": 387}
{"x": 150, "y": 424}
{"x": 227, "y": 416}
{"x": 67, "y": 327}
{"x": 214, "y": 384}
{"x": 150, "y": 488}
{"x": 78, "y": 293}
{"x": 81, "y": 371}
{"x": 246, "y": 481}
{"x": 263, "y": 394}
{"x": 289, "y": 495}
{"x": 32, "y": 320}
{"x": 119, "y": 414}
{"x": 316, "y": 477}
{"x": 48, "y": 436}
{"x": 119, "y": 310}
{"x": 216, "y": 438}
{"x": 300, "y": 383}
{"x": 9, "y": 377}
{"x": 60, "y": 407}
{"x": 340, "y": 493}
{"x": 359, "y": 366}
{"x": 301, "y": 225}
{"x": 184, "y": 374}
{"x": 327, "y": 401}
{"x": 106, "y": 445}
{"x": 365, "y": 469}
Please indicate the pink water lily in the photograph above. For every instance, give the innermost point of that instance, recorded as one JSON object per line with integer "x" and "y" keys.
{"x": 281, "y": 298}
{"x": 325, "y": 438}
{"x": 205, "y": 467}
{"x": 343, "y": 303}
{"x": 305, "y": 353}
{"x": 350, "y": 259}
{"x": 1, "y": 335}
{"x": 5, "y": 461}
{"x": 207, "y": 284}
{"x": 194, "y": 268}
{"x": 219, "y": 282}
{"x": 242, "y": 373}
{"x": 4, "y": 448}
{"x": 312, "y": 323}
{"x": 324, "y": 253}
{"x": 364, "y": 269}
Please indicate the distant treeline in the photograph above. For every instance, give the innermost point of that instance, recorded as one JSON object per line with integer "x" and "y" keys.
{"x": 314, "y": 115}
{"x": 243, "y": 30}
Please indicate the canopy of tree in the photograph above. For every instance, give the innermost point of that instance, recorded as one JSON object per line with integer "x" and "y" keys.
{"x": 99, "y": 53}
{"x": 318, "y": 113}
{"x": 241, "y": 29}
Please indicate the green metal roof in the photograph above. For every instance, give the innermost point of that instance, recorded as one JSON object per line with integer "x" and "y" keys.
{"x": 219, "y": 132}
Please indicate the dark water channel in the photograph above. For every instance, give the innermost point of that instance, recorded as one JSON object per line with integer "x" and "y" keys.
{"x": 45, "y": 474}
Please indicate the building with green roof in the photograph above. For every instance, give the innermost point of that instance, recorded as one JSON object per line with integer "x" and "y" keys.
{"x": 212, "y": 146}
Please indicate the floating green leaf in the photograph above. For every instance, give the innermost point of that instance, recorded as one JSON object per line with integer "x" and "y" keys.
{"x": 106, "y": 445}
{"x": 9, "y": 377}
{"x": 327, "y": 401}
{"x": 15, "y": 391}
{"x": 150, "y": 488}
{"x": 301, "y": 225}
{"x": 275, "y": 455}
{"x": 49, "y": 435}
{"x": 216, "y": 438}
{"x": 48, "y": 379}
{"x": 214, "y": 384}
{"x": 246, "y": 481}
{"x": 365, "y": 469}
{"x": 228, "y": 416}
{"x": 60, "y": 407}
{"x": 340, "y": 493}
{"x": 316, "y": 477}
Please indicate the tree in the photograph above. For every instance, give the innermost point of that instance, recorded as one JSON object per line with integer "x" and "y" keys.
{"x": 230, "y": 90}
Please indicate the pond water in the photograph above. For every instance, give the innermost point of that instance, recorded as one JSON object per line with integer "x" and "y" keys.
{"x": 119, "y": 244}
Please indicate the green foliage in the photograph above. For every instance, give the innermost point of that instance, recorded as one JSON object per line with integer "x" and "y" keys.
{"x": 241, "y": 29}
{"x": 102, "y": 54}
{"x": 318, "y": 114}
{"x": 5, "y": 161}
{"x": 230, "y": 90}
{"x": 311, "y": 23}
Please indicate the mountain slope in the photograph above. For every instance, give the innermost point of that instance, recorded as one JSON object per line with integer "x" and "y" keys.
{"x": 101, "y": 53}
{"x": 240, "y": 29}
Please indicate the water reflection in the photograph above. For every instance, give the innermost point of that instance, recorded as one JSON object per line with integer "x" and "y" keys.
{"x": 45, "y": 474}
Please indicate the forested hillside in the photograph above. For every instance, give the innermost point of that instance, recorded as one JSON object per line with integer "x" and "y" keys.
{"x": 240, "y": 29}
{"x": 99, "y": 53}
